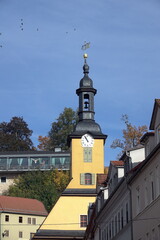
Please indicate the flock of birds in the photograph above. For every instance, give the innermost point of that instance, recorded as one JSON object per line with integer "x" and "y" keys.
{"x": 21, "y": 28}
{"x": 84, "y": 46}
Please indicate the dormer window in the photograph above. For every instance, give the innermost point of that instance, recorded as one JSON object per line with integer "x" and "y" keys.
{"x": 158, "y": 134}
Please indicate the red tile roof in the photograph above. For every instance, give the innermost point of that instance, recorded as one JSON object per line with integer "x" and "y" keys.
{"x": 101, "y": 179}
{"x": 117, "y": 163}
{"x": 22, "y": 205}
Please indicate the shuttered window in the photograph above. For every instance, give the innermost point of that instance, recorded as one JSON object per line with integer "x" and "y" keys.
{"x": 83, "y": 220}
{"x": 87, "y": 154}
{"x": 87, "y": 178}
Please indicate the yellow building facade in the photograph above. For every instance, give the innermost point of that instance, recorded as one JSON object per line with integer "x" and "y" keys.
{"x": 20, "y": 217}
{"x": 68, "y": 218}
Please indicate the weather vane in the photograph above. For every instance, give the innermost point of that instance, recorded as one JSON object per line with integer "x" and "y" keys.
{"x": 85, "y": 45}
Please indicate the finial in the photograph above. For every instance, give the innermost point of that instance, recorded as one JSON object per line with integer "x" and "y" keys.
{"x": 85, "y": 67}
{"x": 85, "y": 55}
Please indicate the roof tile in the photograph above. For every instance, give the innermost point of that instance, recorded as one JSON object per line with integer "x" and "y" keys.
{"x": 117, "y": 163}
{"x": 22, "y": 205}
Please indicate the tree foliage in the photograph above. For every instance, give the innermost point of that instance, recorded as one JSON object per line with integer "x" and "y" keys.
{"x": 44, "y": 186}
{"x": 15, "y": 135}
{"x": 44, "y": 143}
{"x": 61, "y": 128}
{"x": 131, "y": 135}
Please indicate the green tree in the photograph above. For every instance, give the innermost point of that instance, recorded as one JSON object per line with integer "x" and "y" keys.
{"x": 131, "y": 135}
{"x": 44, "y": 186}
{"x": 61, "y": 128}
{"x": 15, "y": 135}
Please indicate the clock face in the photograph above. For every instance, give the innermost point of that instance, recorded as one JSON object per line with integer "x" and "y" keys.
{"x": 87, "y": 140}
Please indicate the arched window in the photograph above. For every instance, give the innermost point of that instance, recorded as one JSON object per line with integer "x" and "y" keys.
{"x": 88, "y": 178}
{"x": 86, "y": 102}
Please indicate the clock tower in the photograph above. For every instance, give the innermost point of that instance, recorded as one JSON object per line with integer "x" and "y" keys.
{"x": 68, "y": 218}
{"x": 87, "y": 140}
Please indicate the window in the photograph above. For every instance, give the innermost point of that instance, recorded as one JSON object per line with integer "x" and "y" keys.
{"x": 20, "y": 219}
{"x": 138, "y": 199}
{"x": 87, "y": 151}
{"x": 86, "y": 102}
{"x": 153, "y": 234}
{"x": 146, "y": 192}
{"x": 152, "y": 186}
{"x": 115, "y": 223}
{"x": 109, "y": 230}
{"x": 158, "y": 231}
{"x": 20, "y": 234}
{"x": 3, "y": 179}
{"x": 119, "y": 221}
{"x": 83, "y": 220}
{"x": 122, "y": 218}
{"x": 147, "y": 236}
{"x": 87, "y": 179}
{"x": 127, "y": 218}
{"x": 29, "y": 220}
{"x": 34, "y": 221}
{"x": 112, "y": 228}
{"x": 6, "y": 218}
{"x": 107, "y": 233}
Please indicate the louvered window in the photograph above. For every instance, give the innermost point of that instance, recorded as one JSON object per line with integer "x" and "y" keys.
{"x": 87, "y": 179}
{"x": 87, "y": 151}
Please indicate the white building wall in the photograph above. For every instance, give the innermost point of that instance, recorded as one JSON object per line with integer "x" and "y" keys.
{"x": 9, "y": 181}
{"x": 146, "y": 201}
{"x": 120, "y": 173}
{"x": 114, "y": 221}
{"x": 137, "y": 155}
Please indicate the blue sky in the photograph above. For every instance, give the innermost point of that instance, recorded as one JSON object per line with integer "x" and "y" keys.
{"x": 41, "y": 65}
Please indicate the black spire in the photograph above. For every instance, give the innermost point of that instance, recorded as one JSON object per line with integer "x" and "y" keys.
{"x": 86, "y": 92}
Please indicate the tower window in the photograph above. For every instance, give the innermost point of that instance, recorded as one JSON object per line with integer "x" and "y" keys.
{"x": 86, "y": 102}
{"x": 83, "y": 220}
{"x": 87, "y": 178}
{"x": 87, "y": 154}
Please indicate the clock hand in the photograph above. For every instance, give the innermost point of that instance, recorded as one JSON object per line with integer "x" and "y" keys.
{"x": 86, "y": 138}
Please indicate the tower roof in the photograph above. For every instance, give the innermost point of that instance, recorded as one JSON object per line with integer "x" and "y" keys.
{"x": 86, "y": 81}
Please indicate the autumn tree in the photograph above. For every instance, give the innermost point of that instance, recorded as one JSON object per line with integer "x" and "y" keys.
{"x": 44, "y": 143}
{"x": 61, "y": 128}
{"x": 44, "y": 186}
{"x": 15, "y": 135}
{"x": 131, "y": 135}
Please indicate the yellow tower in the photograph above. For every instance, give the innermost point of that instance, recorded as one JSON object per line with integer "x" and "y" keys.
{"x": 68, "y": 218}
